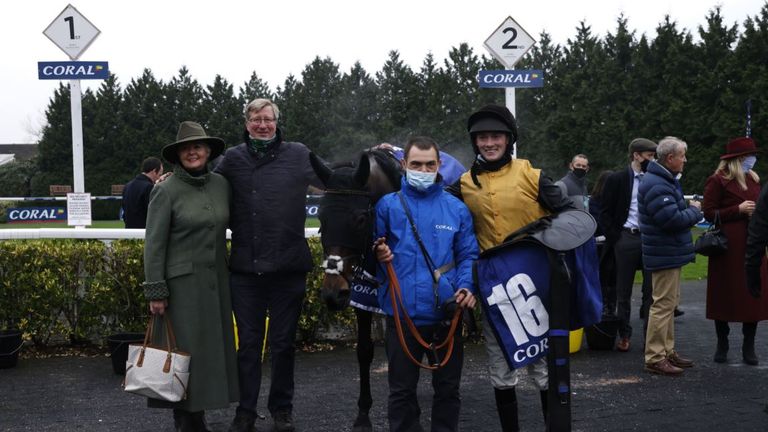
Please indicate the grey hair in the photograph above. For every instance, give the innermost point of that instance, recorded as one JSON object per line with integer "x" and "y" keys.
{"x": 669, "y": 146}
{"x": 257, "y": 105}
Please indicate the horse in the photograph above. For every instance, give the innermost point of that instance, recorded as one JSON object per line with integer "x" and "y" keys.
{"x": 346, "y": 216}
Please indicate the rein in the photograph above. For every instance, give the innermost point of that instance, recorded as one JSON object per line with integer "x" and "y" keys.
{"x": 396, "y": 296}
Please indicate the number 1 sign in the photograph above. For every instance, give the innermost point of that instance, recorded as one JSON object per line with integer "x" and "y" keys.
{"x": 71, "y": 32}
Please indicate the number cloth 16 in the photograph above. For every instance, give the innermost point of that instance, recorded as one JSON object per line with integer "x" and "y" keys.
{"x": 514, "y": 286}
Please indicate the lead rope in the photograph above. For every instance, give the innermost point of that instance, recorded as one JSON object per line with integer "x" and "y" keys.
{"x": 396, "y": 292}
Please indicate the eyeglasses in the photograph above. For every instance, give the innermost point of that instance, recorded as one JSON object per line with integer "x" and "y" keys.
{"x": 261, "y": 120}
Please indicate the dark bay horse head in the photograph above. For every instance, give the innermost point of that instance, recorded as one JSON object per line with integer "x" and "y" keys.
{"x": 346, "y": 217}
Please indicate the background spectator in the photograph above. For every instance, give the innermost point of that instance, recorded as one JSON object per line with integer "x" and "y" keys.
{"x": 729, "y": 195}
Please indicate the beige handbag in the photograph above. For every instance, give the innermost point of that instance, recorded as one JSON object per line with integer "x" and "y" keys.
{"x": 157, "y": 372}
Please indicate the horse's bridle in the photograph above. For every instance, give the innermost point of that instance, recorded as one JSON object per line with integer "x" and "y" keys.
{"x": 334, "y": 264}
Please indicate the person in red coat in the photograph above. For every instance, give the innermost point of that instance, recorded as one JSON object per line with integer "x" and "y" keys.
{"x": 730, "y": 193}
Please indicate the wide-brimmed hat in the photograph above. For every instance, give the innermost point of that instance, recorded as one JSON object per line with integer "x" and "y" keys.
{"x": 190, "y": 131}
{"x": 739, "y": 147}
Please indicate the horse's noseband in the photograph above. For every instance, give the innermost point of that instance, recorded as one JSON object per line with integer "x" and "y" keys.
{"x": 333, "y": 264}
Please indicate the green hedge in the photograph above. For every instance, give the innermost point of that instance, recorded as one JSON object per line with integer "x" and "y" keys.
{"x": 84, "y": 290}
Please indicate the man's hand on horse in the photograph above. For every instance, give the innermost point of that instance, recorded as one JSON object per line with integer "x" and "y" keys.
{"x": 383, "y": 252}
{"x": 465, "y": 299}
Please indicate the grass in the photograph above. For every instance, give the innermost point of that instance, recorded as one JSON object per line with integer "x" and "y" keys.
{"x": 696, "y": 270}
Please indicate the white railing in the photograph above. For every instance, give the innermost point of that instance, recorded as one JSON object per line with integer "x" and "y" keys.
{"x": 93, "y": 233}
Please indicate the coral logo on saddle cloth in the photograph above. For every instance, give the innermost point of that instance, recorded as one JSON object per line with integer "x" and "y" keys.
{"x": 513, "y": 285}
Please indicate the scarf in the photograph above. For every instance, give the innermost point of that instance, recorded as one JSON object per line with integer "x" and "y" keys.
{"x": 480, "y": 166}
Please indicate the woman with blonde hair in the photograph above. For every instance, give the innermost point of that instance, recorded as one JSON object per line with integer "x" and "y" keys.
{"x": 729, "y": 199}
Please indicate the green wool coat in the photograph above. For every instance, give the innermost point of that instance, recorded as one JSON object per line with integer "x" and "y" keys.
{"x": 185, "y": 262}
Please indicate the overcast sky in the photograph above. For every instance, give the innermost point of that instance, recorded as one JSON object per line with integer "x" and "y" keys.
{"x": 279, "y": 37}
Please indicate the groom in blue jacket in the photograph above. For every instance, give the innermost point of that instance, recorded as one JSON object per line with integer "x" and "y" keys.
{"x": 444, "y": 225}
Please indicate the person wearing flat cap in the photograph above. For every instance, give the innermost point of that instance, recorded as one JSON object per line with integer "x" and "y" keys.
{"x": 619, "y": 222}
{"x": 186, "y": 275}
{"x": 504, "y": 194}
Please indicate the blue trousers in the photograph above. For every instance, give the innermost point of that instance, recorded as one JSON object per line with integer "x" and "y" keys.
{"x": 253, "y": 296}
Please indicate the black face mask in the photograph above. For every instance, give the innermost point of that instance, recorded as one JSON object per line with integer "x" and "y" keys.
{"x": 644, "y": 165}
{"x": 579, "y": 172}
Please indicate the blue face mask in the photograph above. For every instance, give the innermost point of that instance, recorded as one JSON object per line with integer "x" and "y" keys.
{"x": 420, "y": 180}
{"x": 748, "y": 162}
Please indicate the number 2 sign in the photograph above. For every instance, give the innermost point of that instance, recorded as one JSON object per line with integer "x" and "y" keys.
{"x": 509, "y": 42}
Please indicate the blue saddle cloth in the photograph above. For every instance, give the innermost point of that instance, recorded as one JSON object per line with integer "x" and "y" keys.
{"x": 514, "y": 287}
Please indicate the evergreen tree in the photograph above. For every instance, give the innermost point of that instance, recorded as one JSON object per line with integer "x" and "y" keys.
{"x": 398, "y": 90}
{"x": 578, "y": 114}
{"x": 103, "y": 139}
{"x": 620, "y": 107}
{"x": 535, "y": 105}
{"x": 147, "y": 121}
{"x": 311, "y": 107}
{"x": 254, "y": 88}
{"x": 55, "y": 146}
{"x": 184, "y": 96}
{"x": 749, "y": 73}
{"x": 354, "y": 114}
{"x": 286, "y": 101}
{"x": 16, "y": 177}
{"x": 222, "y": 111}
{"x": 710, "y": 119}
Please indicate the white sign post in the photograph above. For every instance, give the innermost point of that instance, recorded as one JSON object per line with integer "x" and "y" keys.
{"x": 508, "y": 44}
{"x": 73, "y": 33}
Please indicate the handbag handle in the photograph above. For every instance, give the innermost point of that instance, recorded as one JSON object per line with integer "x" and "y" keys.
{"x": 716, "y": 222}
{"x": 170, "y": 340}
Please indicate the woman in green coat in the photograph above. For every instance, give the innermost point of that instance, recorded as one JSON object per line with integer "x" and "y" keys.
{"x": 185, "y": 267}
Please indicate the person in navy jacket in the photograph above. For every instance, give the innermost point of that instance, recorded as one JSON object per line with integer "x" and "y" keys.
{"x": 445, "y": 227}
{"x": 665, "y": 228}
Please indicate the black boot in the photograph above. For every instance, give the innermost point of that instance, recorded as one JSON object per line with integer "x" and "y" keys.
{"x": 183, "y": 421}
{"x": 748, "y": 348}
{"x": 722, "y": 329}
{"x": 544, "y": 404}
{"x": 244, "y": 420}
{"x": 199, "y": 423}
{"x": 506, "y": 404}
